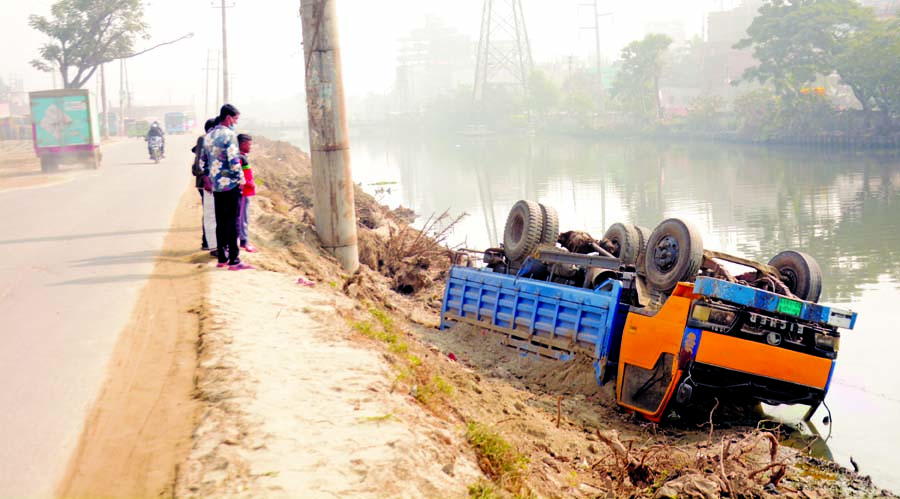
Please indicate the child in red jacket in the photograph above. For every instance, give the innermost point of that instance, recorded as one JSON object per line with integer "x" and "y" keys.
{"x": 245, "y": 142}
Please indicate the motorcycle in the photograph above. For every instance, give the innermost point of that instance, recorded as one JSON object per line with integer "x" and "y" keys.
{"x": 155, "y": 148}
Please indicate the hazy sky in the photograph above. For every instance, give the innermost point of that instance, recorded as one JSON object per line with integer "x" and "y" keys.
{"x": 265, "y": 55}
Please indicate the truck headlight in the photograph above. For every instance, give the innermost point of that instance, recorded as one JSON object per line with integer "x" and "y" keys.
{"x": 826, "y": 342}
{"x": 721, "y": 317}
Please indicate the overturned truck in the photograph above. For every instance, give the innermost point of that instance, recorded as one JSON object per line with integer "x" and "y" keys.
{"x": 656, "y": 312}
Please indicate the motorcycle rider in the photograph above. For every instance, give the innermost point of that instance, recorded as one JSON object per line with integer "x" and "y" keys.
{"x": 157, "y": 131}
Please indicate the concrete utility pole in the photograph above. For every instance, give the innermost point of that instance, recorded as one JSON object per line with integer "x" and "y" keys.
{"x": 104, "y": 127}
{"x": 225, "y": 93}
{"x": 120, "y": 122}
{"x": 334, "y": 206}
{"x": 209, "y": 67}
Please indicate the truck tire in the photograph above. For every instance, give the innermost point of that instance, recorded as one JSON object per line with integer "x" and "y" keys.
{"x": 645, "y": 238}
{"x": 524, "y": 227}
{"x": 95, "y": 161}
{"x": 49, "y": 164}
{"x": 626, "y": 239}
{"x": 550, "y": 229}
{"x": 800, "y": 273}
{"x": 674, "y": 254}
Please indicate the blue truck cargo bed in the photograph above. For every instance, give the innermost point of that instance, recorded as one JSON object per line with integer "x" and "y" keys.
{"x": 539, "y": 317}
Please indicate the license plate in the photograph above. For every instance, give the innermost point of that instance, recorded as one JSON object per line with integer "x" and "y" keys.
{"x": 789, "y": 307}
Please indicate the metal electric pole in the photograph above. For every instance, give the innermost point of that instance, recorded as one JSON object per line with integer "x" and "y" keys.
{"x": 329, "y": 147}
{"x": 596, "y": 27}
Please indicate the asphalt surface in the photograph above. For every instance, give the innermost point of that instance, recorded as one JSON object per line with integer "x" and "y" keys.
{"x": 73, "y": 259}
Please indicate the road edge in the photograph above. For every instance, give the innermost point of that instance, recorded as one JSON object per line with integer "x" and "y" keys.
{"x": 139, "y": 428}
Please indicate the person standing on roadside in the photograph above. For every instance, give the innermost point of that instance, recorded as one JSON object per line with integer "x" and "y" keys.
{"x": 203, "y": 185}
{"x": 245, "y": 143}
{"x": 222, "y": 158}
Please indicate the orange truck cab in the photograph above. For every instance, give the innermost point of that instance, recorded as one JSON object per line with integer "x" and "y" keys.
{"x": 716, "y": 336}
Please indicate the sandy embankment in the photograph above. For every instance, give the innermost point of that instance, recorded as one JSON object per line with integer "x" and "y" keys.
{"x": 295, "y": 408}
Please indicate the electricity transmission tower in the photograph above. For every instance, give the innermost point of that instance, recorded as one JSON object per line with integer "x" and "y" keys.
{"x": 504, "y": 53}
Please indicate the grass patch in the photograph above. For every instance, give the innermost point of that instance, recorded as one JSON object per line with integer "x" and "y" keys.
{"x": 379, "y": 419}
{"x": 435, "y": 387}
{"x": 501, "y": 461}
{"x": 483, "y": 490}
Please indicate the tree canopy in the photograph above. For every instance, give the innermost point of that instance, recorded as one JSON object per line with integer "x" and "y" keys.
{"x": 870, "y": 65}
{"x": 797, "y": 40}
{"x": 85, "y": 34}
{"x": 637, "y": 85}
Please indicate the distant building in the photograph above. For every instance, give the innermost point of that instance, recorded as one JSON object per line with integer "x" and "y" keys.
{"x": 726, "y": 64}
{"x": 434, "y": 60}
{"x": 883, "y": 8}
{"x": 713, "y": 64}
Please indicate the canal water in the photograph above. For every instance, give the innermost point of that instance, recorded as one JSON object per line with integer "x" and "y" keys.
{"x": 843, "y": 208}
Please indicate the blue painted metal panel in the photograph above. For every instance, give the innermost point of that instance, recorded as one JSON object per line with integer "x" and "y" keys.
{"x": 559, "y": 318}
{"x": 771, "y": 302}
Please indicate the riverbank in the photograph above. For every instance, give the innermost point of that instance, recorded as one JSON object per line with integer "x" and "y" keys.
{"x": 344, "y": 386}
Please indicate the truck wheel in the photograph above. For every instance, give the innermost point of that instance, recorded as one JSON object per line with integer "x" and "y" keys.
{"x": 645, "y": 238}
{"x": 49, "y": 164}
{"x": 674, "y": 254}
{"x": 800, "y": 273}
{"x": 550, "y": 229}
{"x": 626, "y": 239}
{"x": 95, "y": 162}
{"x": 524, "y": 227}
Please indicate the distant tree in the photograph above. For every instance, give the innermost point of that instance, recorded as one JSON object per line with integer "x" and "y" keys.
{"x": 687, "y": 65}
{"x": 4, "y": 90}
{"x": 637, "y": 85}
{"x": 543, "y": 94}
{"x": 870, "y": 66}
{"x": 797, "y": 40}
{"x": 704, "y": 113}
{"x": 757, "y": 113}
{"x": 85, "y": 34}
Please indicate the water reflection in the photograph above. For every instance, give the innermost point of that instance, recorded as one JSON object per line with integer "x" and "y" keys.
{"x": 842, "y": 208}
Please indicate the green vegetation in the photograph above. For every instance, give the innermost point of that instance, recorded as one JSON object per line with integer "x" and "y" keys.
{"x": 800, "y": 44}
{"x": 85, "y": 34}
{"x": 436, "y": 386}
{"x": 501, "y": 462}
{"x": 636, "y": 87}
{"x": 379, "y": 419}
{"x": 429, "y": 389}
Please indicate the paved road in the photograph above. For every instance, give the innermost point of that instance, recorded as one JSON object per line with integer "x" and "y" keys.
{"x": 73, "y": 258}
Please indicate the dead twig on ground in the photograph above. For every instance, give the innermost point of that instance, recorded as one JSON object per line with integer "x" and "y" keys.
{"x": 558, "y": 411}
{"x": 722, "y": 459}
{"x": 637, "y": 471}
